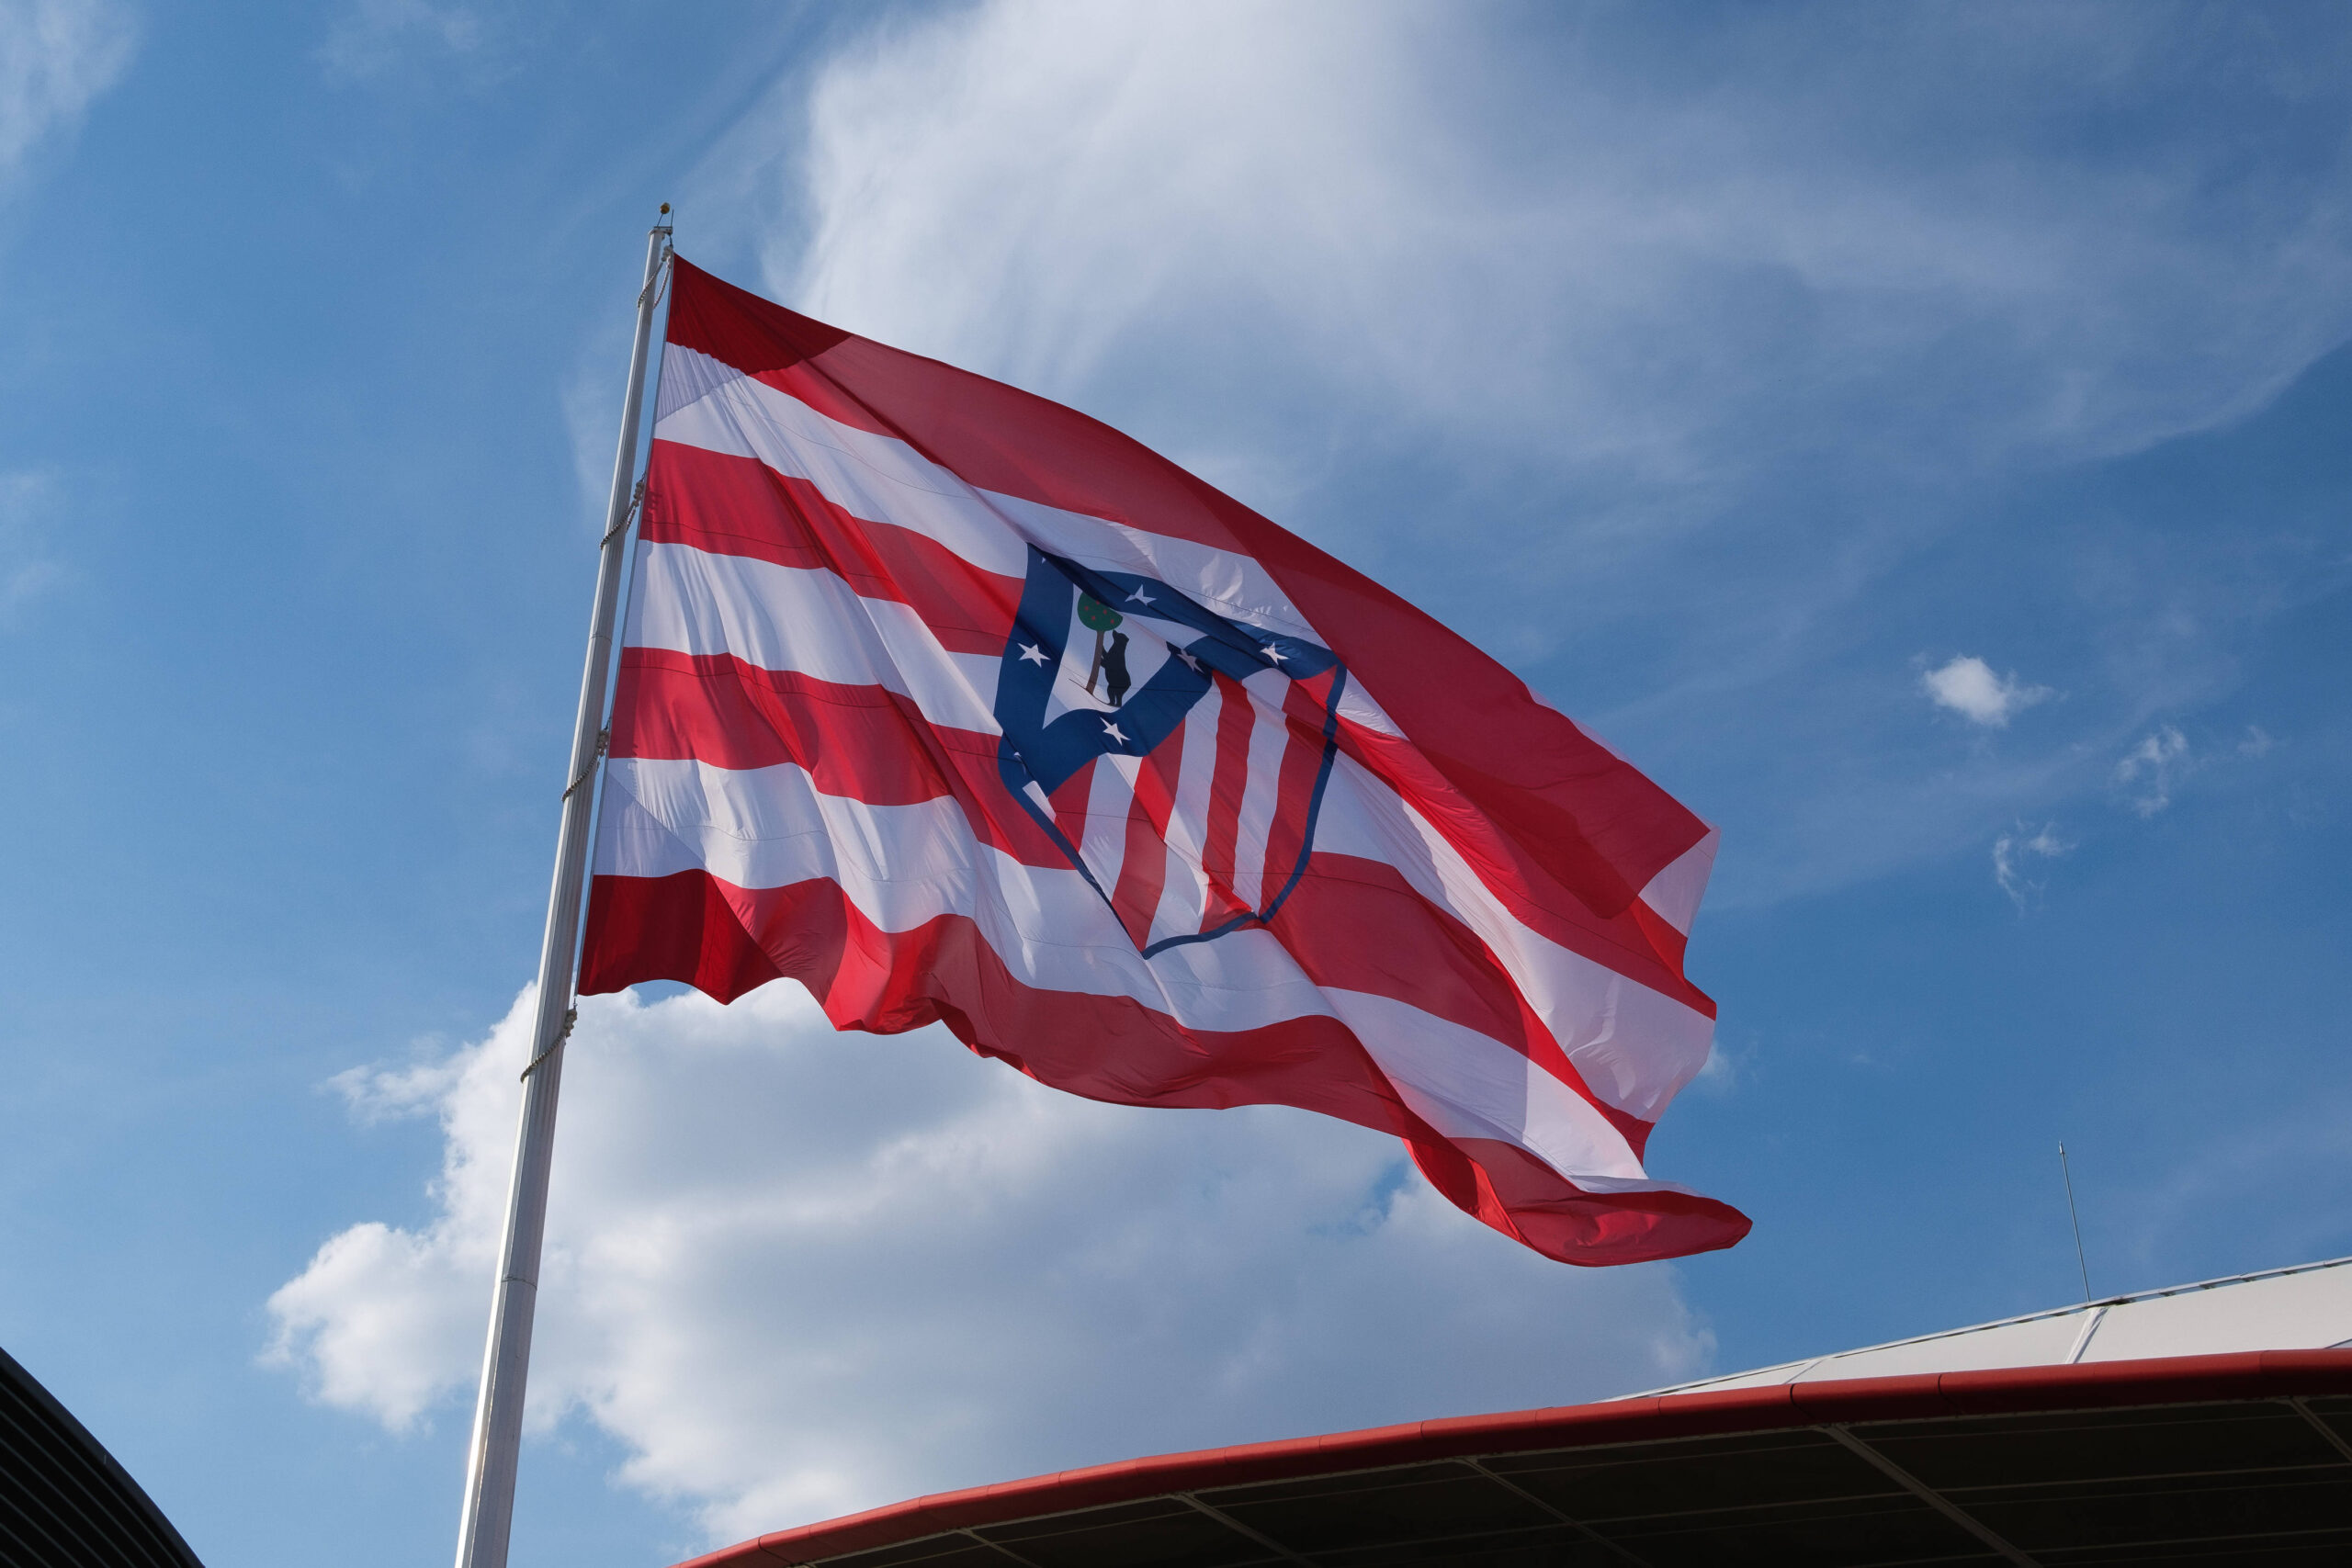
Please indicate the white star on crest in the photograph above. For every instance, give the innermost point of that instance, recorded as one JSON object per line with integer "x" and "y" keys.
{"x": 1113, "y": 731}
{"x": 1032, "y": 654}
{"x": 1190, "y": 662}
{"x": 1139, "y": 597}
{"x": 1274, "y": 654}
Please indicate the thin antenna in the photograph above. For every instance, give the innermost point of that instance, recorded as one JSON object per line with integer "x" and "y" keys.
{"x": 2066, "y": 1172}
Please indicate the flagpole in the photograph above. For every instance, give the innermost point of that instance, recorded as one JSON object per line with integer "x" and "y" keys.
{"x": 498, "y": 1413}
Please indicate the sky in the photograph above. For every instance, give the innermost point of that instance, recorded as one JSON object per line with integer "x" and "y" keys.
{"x": 1914, "y": 435}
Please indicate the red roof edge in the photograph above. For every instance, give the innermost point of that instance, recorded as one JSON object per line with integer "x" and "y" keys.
{"x": 2253, "y": 1374}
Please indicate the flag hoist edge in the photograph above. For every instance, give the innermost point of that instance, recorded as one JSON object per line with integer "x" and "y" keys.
{"x": 956, "y": 705}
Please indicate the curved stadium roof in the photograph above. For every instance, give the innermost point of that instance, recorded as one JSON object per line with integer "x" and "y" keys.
{"x": 2206, "y": 1423}
{"x": 64, "y": 1503}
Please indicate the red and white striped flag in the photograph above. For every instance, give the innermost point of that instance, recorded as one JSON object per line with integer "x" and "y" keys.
{"x": 956, "y": 705}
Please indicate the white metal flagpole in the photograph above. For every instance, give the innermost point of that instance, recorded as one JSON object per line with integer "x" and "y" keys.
{"x": 498, "y": 1414}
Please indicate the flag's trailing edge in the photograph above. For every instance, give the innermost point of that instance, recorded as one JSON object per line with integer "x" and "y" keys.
{"x": 957, "y": 705}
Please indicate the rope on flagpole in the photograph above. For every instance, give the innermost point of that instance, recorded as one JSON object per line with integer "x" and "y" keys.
{"x": 635, "y": 501}
{"x": 603, "y": 739}
{"x": 570, "y": 1017}
{"x": 659, "y": 285}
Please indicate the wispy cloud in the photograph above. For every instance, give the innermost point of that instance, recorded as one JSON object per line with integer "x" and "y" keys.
{"x": 1721, "y": 1072}
{"x": 1448, "y": 231}
{"x": 2147, "y": 772}
{"x": 795, "y": 1272}
{"x": 1529, "y": 323}
{"x": 2214, "y": 1193}
{"x": 28, "y": 567}
{"x": 2013, "y": 854}
{"x": 590, "y": 403}
{"x": 373, "y": 36}
{"x": 55, "y": 57}
{"x": 1968, "y": 686}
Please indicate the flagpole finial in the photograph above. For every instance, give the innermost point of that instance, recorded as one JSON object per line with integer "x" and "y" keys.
{"x": 665, "y": 209}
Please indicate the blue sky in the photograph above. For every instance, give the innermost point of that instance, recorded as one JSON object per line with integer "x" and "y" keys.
{"x": 1913, "y": 435}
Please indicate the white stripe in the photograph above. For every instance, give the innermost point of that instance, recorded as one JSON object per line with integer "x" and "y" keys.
{"x": 771, "y": 827}
{"x": 780, "y": 617}
{"x": 1634, "y": 1048}
{"x": 902, "y": 865}
{"x": 1104, "y": 846}
{"x": 1675, "y": 892}
{"x": 1184, "y": 895}
{"x": 883, "y": 479}
{"x": 867, "y": 476}
{"x": 1269, "y": 738}
{"x": 1468, "y": 1085}
{"x": 1356, "y": 706}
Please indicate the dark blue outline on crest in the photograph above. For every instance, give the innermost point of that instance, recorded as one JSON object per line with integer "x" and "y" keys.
{"x": 1152, "y": 712}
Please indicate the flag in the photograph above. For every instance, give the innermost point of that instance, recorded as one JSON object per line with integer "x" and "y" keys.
{"x": 958, "y": 707}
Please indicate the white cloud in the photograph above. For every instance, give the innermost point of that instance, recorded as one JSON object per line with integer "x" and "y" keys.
{"x": 591, "y": 406}
{"x": 1412, "y": 212}
{"x": 1587, "y": 329}
{"x": 2215, "y": 1190}
{"x": 796, "y": 1272}
{"x": 1721, "y": 1073}
{"x": 2257, "y": 742}
{"x": 28, "y": 567}
{"x": 1969, "y": 687}
{"x": 373, "y": 36}
{"x": 2013, "y": 852}
{"x": 2147, "y": 772}
{"x": 55, "y": 57}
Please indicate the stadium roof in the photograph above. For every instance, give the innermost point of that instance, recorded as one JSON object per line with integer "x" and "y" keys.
{"x": 2207, "y": 1424}
{"x": 2304, "y": 1308}
{"x": 64, "y": 1503}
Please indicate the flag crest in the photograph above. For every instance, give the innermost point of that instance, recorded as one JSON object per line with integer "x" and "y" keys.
{"x": 1181, "y": 772}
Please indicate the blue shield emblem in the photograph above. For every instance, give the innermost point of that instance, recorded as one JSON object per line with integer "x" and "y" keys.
{"x": 1177, "y": 757}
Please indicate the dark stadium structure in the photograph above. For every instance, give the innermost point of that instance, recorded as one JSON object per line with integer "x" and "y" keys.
{"x": 2098, "y": 1452}
{"x": 64, "y": 1503}
{"x": 2204, "y": 1460}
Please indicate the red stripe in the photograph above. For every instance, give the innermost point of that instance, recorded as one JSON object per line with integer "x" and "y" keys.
{"x": 686, "y": 928}
{"x": 1357, "y": 925}
{"x": 1666, "y": 941}
{"x": 1521, "y": 1196}
{"x": 1592, "y": 828}
{"x": 1069, "y": 804}
{"x": 1109, "y": 1048}
{"x": 739, "y": 506}
{"x": 1302, "y": 718}
{"x": 725, "y": 940}
{"x": 1505, "y": 868}
{"x": 859, "y": 742}
{"x": 1143, "y": 871}
{"x": 1233, "y": 722}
